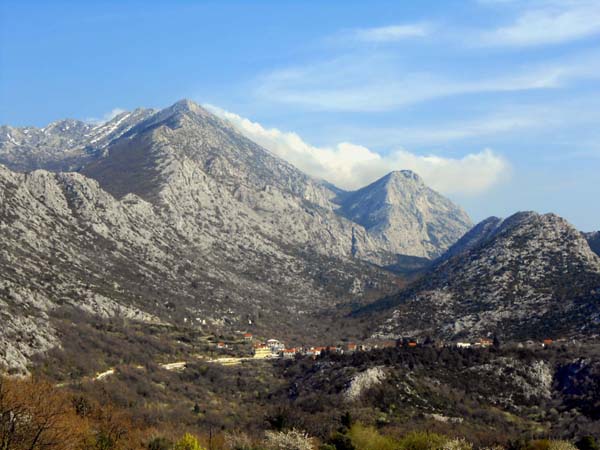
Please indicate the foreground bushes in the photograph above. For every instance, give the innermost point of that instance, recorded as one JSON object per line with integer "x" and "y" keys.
{"x": 360, "y": 437}
{"x": 36, "y": 415}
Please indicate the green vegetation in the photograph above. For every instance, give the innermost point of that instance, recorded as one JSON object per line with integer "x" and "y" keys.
{"x": 35, "y": 415}
{"x": 486, "y": 397}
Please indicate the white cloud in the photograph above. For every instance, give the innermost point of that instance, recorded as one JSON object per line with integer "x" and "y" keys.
{"x": 391, "y": 33}
{"x": 512, "y": 119}
{"x": 105, "y": 117}
{"x": 379, "y": 82}
{"x": 550, "y": 22}
{"x": 352, "y": 166}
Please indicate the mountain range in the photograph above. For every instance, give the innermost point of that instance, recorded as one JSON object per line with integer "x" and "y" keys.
{"x": 172, "y": 217}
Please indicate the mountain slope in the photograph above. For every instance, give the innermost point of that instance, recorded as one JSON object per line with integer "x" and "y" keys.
{"x": 67, "y": 243}
{"x": 533, "y": 276}
{"x": 594, "y": 241}
{"x": 401, "y": 210}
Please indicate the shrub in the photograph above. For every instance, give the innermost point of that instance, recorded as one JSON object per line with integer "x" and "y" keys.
{"x": 288, "y": 440}
{"x": 422, "y": 440}
{"x": 539, "y": 444}
{"x": 561, "y": 445}
{"x": 340, "y": 441}
{"x": 368, "y": 438}
{"x": 459, "y": 444}
{"x": 160, "y": 443}
{"x": 34, "y": 415}
{"x": 587, "y": 443}
{"x": 188, "y": 442}
{"x": 238, "y": 441}
{"x": 327, "y": 447}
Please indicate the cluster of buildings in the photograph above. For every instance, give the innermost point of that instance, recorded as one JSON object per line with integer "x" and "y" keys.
{"x": 274, "y": 348}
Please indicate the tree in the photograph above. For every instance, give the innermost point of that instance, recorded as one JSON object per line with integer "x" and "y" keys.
{"x": 587, "y": 443}
{"x": 34, "y": 415}
{"x": 347, "y": 420}
{"x": 496, "y": 342}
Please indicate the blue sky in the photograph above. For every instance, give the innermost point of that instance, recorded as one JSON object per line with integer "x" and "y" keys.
{"x": 496, "y": 103}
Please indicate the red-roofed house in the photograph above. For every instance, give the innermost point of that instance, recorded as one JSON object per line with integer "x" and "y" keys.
{"x": 289, "y": 353}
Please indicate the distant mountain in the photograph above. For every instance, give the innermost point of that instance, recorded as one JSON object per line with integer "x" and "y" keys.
{"x": 144, "y": 151}
{"x": 412, "y": 218}
{"x": 529, "y": 276}
{"x": 174, "y": 217}
{"x": 64, "y": 145}
{"x": 594, "y": 241}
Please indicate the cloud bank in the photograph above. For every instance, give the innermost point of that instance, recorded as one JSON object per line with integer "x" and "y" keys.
{"x": 352, "y": 166}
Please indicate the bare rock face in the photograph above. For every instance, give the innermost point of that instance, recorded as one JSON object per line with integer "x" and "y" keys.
{"x": 401, "y": 211}
{"x": 529, "y": 276}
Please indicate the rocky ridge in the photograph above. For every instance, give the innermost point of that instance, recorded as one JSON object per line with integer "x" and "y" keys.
{"x": 529, "y": 276}
{"x": 64, "y": 145}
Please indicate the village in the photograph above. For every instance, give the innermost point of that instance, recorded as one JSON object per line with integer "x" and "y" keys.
{"x": 274, "y": 348}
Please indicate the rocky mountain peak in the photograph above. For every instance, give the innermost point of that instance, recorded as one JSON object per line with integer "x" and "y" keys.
{"x": 184, "y": 113}
{"x": 400, "y": 209}
{"x": 402, "y": 176}
{"x": 480, "y": 232}
{"x": 185, "y": 105}
{"x": 71, "y": 127}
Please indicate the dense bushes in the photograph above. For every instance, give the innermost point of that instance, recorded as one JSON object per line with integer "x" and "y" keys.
{"x": 483, "y": 395}
{"x": 35, "y": 415}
